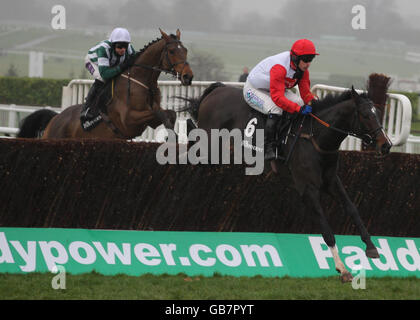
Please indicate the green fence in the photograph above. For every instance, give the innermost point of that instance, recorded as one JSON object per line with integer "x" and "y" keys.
{"x": 113, "y": 252}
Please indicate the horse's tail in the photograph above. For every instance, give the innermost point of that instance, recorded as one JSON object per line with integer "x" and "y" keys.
{"x": 34, "y": 124}
{"x": 194, "y": 103}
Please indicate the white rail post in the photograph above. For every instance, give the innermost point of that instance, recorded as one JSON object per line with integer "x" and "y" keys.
{"x": 12, "y": 116}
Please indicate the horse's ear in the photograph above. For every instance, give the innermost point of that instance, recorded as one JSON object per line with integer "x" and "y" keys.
{"x": 178, "y": 34}
{"x": 164, "y": 35}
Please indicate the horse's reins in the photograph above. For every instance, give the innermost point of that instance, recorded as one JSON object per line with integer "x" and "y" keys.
{"x": 127, "y": 76}
{"x": 366, "y": 138}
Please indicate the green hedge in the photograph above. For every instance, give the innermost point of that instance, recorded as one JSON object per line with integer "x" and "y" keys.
{"x": 31, "y": 91}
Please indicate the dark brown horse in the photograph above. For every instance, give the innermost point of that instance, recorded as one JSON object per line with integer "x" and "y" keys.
{"x": 312, "y": 148}
{"x": 136, "y": 99}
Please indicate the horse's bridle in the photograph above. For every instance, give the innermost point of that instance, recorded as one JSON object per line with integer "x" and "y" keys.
{"x": 367, "y": 138}
{"x": 168, "y": 61}
{"x": 154, "y": 68}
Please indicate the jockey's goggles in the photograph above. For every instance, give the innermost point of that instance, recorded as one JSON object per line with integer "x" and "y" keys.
{"x": 307, "y": 58}
{"x": 120, "y": 45}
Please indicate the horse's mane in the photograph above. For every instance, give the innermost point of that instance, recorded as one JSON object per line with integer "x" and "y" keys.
{"x": 139, "y": 53}
{"x": 332, "y": 99}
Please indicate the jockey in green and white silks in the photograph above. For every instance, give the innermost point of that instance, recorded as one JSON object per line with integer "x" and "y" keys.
{"x": 104, "y": 61}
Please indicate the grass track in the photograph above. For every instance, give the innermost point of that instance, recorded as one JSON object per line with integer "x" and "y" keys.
{"x": 180, "y": 287}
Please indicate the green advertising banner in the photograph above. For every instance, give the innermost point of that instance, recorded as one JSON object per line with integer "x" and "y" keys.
{"x": 111, "y": 252}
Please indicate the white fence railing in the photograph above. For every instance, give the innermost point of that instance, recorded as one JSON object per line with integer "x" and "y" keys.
{"x": 412, "y": 145}
{"x": 76, "y": 91}
{"x": 397, "y": 121}
{"x": 11, "y": 115}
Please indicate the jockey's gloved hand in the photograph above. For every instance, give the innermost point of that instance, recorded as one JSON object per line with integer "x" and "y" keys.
{"x": 127, "y": 62}
{"x": 305, "y": 109}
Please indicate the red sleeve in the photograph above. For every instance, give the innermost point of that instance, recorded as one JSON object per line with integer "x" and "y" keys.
{"x": 277, "y": 89}
{"x": 305, "y": 88}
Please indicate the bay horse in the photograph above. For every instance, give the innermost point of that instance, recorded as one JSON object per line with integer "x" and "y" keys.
{"x": 312, "y": 146}
{"x": 136, "y": 97}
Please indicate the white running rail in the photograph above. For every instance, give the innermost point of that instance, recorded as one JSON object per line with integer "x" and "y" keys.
{"x": 76, "y": 91}
{"x": 397, "y": 121}
{"x": 11, "y": 115}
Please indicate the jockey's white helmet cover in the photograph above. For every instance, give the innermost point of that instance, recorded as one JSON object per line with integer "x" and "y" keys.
{"x": 120, "y": 35}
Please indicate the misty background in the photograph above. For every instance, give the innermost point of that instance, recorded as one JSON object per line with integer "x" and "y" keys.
{"x": 386, "y": 19}
{"x": 224, "y": 36}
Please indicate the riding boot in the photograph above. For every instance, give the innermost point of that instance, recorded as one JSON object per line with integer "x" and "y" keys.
{"x": 90, "y": 107}
{"x": 270, "y": 143}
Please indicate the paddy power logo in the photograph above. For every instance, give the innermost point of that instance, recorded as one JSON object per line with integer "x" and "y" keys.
{"x": 198, "y": 253}
{"x": 408, "y": 256}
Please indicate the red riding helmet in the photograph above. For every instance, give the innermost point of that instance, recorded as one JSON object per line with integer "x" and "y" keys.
{"x": 304, "y": 47}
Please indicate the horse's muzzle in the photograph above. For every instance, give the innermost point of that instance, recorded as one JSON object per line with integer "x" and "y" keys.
{"x": 383, "y": 149}
{"x": 186, "y": 79}
{"x": 386, "y": 148}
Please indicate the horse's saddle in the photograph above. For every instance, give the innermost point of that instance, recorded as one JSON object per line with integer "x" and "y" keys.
{"x": 257, "y": 120}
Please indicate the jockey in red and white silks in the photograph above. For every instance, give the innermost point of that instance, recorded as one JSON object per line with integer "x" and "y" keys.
{"x": 270, "y": 79}
{"x": 268, "y": 83}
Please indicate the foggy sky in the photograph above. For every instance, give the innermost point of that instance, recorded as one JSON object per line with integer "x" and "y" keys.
{"x": 252, "y": 16}
{"x": 408, "y": 9}
{"x": 270, "y": 8}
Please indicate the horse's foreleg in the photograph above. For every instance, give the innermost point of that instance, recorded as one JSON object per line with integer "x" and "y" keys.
{"x": 336, "y": 189}
{"x": 166, "y": 117}
{"x": 345, "y": 275}
{"x": 142, "y": 119}
{"x": 137, "y": 118}
{"x": 135, "y": 122}
{"x": 311, "y": 199}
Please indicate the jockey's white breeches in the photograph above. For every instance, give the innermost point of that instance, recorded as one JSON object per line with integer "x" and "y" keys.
{"x": 260, "y": 99}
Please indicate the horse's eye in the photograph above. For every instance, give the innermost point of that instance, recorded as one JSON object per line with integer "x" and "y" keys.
{"x": 172, "y": 51}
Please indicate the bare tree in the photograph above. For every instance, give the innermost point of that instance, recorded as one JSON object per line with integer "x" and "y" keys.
{"x": 207, "y": 67}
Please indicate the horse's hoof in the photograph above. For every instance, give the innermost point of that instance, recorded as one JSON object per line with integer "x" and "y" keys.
{"x": 372, "y": 253}
{"x": 346, "y": 277}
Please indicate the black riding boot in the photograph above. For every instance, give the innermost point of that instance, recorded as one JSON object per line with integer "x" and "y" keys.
{"x": 270, "y": 143}
{"x": 90, "y": 107}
